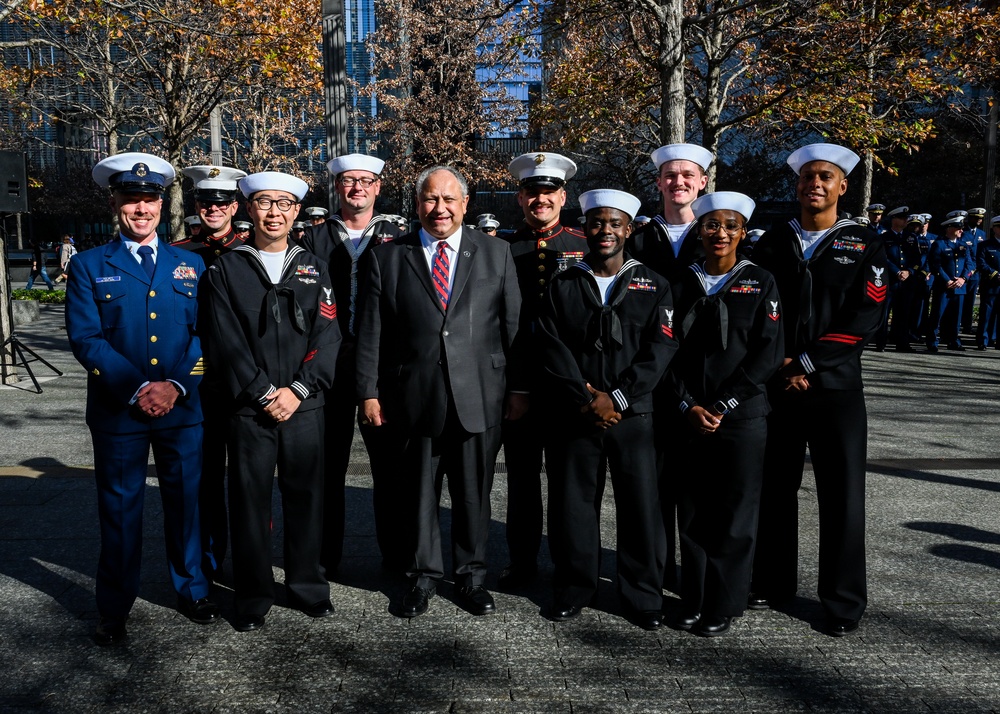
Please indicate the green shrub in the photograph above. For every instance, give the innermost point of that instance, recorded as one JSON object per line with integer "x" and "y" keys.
{"x": 46, "y": 297}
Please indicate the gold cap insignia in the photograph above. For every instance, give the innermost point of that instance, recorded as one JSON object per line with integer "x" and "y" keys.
{"x": 540, "y": 158}
{"x": 214, "y": 172}
{"x": 140, "y": 170}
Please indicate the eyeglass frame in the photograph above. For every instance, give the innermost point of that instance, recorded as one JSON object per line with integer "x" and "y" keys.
{"x": 707, "y": 227}
{"x": 259, "y": 203}
{"x": 352, "y": 181}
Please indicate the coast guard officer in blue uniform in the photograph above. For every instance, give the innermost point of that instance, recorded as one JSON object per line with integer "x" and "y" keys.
{"x": 130, "y": 316}
{"x": 951, "y": 264}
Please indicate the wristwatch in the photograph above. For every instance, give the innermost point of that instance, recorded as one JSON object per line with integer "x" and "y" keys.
{"x": 721, "y": 407}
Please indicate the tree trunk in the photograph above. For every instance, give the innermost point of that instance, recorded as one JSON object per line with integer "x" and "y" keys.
{"x": 671, "y": 64}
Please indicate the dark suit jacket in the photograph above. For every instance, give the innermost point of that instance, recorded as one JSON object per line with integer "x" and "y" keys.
{"x": 413, "y": 357}
{"x": 126, "y": 329}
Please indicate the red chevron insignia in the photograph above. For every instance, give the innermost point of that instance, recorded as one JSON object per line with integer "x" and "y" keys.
{"x": 877, "y": 294}
{"x": 668, "y": 331}
{"x": 328, "y": 310}
{"x": 309, "y": 356}
{"x": 774, "y": 316}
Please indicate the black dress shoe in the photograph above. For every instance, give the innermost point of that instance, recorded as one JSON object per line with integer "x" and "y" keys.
{"x": 323, "y": 608}
{"x": 958, "y": 347}
{"x": 758, "y": 602}
{"x": 202, "y": 611}
{"x": 415, "y": 602}
{"x": 685, "y": 621}
{"x": 477, "y": 600}
{"x": 649, "y": 619}
{"x": 880, "y": 348}
{"x": 513, "y": 577}
{"x": 904, "y": 348}
{"x": 110, "y": 633}
{"x": 712, "y": 626}
{"x": 981, "y": 348}
{"x": 838, "y": 626}
{"x": 562, "y": 612}
{"x": 932, "y": 348}
{"x": 248, "y": 623}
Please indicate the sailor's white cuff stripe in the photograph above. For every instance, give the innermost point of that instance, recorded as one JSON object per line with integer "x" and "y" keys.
{"x": 807, "y": 364}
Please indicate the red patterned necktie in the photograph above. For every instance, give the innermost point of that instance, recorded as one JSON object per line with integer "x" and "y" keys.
{"x": 439, "y": 273}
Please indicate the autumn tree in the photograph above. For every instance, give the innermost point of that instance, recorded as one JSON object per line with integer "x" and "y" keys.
{"x": 442, "y": 84}
{"x": 143, "y": 75}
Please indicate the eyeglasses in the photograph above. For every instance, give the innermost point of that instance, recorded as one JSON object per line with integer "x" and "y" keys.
{"x": 265, "y": 204}
{"x": 714, "y": 226}
{"x": 350, "y": 181}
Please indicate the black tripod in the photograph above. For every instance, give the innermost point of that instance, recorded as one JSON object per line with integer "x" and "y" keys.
{"x": 17, "y": 348}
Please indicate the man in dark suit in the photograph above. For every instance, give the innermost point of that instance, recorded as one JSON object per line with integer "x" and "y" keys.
{"x": 131, "y": 316}
{"x": 437, "y": 324}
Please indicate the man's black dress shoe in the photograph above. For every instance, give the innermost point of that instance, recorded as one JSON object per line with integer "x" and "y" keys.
{"x": 712, "y": 626}
{"x": 904, "y": 348}
{"x": 202, "y": 611}
{"x": 649, "y": 619}
{"x": 981, "y": 348}
{"x": 932, "y": 348}
{"x": 323, "y": 608}
{"x": 561, "y": 612}
{"x": 685, "y": 621}
{"x": 248, "y": 623}
{"x": 958, "y": 347}
{"x": 758, "y": 602}
{"x": 110, "y": 632}
{"x": 415, "y": 602}
{"x": 477, "y": 600}
{"x": 513, "y": 577}
{"x": 838, "y": 626}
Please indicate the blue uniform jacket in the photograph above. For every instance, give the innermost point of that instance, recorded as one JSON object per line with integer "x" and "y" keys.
{"x": 988, "y": 262}
{"x": 949, "y": 261}
{"x": 126, "y": 329}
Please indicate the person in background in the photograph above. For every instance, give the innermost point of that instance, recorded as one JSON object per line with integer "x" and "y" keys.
{"x": 950, "y": 263}
{"x": 66, "y": 252}
{"x": 38, "y": 266}
{"x": 988, "y": 261}
{"x": 487, "y": 223}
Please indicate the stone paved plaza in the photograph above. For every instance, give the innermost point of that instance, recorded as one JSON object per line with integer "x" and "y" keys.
{"x": 929, "y": 643}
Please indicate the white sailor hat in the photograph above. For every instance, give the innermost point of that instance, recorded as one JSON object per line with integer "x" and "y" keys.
{"x": 979, "y": 212}
{"x": 862, "y": 220}
{"x": 915, "y": 218}
{"x": 901, "y": 212}
{"x": 956, "y": 221}
{"x": 642, "y": 219}
{"x": 927, "y": 217}
{"x": 218, "y": 183}
{"x": 355, "y": 162}
{"x": 682, "y": 152}
{"x": 274, "y": 181}
{"x": 242, "y": 225}
{"x": 723, "y": 201}
{"x": 542, "y": 168}
{"x": 134, "y": 171}
{"x": 193, "y": 220}
{"x": 487, "y": 220}
{"x": 995, "y": 221}
{"x": 875, "y": 208}
{"x": 835, "y": 154}
{"x": 610, "y": 198}
{"x": 317, "y": 212}
{"x": 755, "y": 234}
{"x": 958, "y": 214}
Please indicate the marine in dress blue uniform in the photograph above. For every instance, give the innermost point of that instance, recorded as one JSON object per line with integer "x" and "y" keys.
{"x": 542, "y": 249}
{"x": 215, "y": 190}
{"x": 988, "y": 262}
{"x": 131, "y": 318}
{"x": 951, "y": 265}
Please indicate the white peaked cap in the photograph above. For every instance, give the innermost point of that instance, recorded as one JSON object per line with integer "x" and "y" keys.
{"x": 836, "y": 155}
{"x": 995, "y": 221}
{"x": 193, "y": 220}
{"x": 723, "y": 201}
{"x": 542, "y": 168}
{"x": 957, "y": 221}
{"x": 355, "y": 162}
{"x": 317, "y": 211}
{"x": 901, "y": 212}
{"x": 682, "y": 152}
{"x": 214, "y": 178}
{"x": 610, "y": 198}
{"x": 958, "y": 214}
{"x": 133, "y": 169}
{"x": 274, "y": 181}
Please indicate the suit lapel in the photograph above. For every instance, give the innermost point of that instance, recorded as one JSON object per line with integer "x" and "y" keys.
{"x": 118, "y": 256}
{"x": 418, "y": 262}
{"x": 465, "y": 257}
